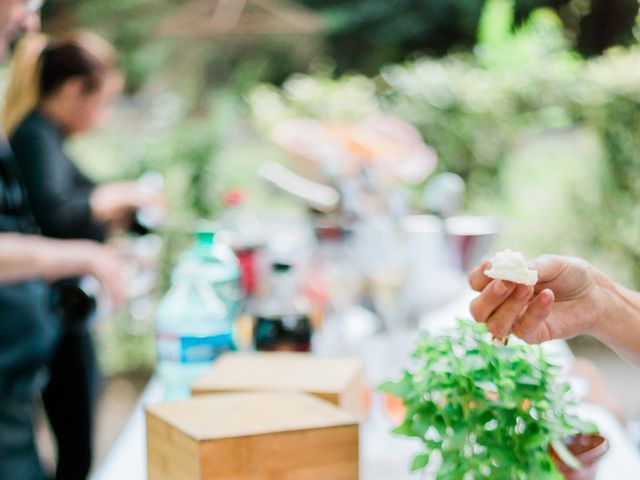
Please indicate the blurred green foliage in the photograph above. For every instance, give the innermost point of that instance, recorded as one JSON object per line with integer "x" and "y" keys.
{"x": 613, "y": 110}
{"x": 470, "y": 108}
{"x": 474, "y": 105}
{"x": 182, "y": 147}
{"x": 201, "y": 154}
{"x": 474, "y": 109}
{"x": 366, "y": 34}
{"x": 361, "y": 35}
{"x": 194, "y": 64}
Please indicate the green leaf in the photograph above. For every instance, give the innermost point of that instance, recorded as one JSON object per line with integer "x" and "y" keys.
{"x": 486, "y": 385}
{"x": 452, "y": 468}
{"x": 421, "y": 424}
{"x": 584, "y": 427}
{"x": 565, "y": 455}
{"x": 398, "y": 388}
{"x": 405, "y": 429}
{"x": 527, "y": 380}
{"x": 419, "y": 462}
{"x": 457, "y": 440}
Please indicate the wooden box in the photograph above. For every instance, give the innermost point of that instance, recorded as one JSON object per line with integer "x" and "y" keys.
{"x": 340, "y": 381}
{"x": 251, "y": 436}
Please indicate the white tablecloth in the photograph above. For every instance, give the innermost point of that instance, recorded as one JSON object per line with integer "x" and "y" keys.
{"x": 383, "y": 456}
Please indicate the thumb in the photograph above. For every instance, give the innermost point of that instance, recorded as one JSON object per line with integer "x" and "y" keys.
{"x": 549, "y": 268}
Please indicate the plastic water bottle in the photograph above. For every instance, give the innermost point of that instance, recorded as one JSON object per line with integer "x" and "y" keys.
{"x": 195, "y": 319}
{"x": 220, "y": 268}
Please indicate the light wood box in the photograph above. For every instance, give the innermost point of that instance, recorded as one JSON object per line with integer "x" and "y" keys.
{"x": 251, "y": 436}
{"x": 340, "y": 381}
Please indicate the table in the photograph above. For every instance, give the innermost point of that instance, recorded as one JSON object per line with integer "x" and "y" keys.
{"x": 383, "y": 456}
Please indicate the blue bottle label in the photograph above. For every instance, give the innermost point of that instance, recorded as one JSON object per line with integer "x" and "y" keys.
{"x": 192, "y": 349}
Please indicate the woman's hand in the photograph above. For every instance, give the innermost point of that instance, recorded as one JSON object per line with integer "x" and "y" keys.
{"x": 65, "y": 258}
{"x": 114, "y": 202}
{"x": 24, "y": 257}
{"x": 569, "y": 299}
{"x": 107, "y": 265}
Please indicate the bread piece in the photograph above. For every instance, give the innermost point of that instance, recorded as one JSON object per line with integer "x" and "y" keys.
{"x": 511, "y": 266}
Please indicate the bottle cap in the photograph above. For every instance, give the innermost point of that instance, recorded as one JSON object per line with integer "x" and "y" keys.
{"x": 205, "y": 237}
{"x": 281, "y": 267}
{"x": 205, "y": 233}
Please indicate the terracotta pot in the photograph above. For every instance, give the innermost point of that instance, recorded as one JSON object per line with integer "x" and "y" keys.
{"x": 588, "y": 449}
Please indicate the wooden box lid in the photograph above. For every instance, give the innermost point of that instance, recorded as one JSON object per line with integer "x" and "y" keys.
{"x": 211, "y": 417}
{"x": 285, "y": 372}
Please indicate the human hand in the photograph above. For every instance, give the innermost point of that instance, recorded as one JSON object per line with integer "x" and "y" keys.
{"x": 101, "y": 261}
{"x": 114, "y": 202}
{"x": 566, "y": 301}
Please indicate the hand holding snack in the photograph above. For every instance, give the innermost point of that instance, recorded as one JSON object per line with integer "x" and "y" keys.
{"x": 552, "y": 297}
{"x": 511, "y": 266}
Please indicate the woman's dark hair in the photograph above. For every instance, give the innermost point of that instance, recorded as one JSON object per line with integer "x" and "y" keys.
{"x": 68, "y": 59}
{"x": 41, "y": 67}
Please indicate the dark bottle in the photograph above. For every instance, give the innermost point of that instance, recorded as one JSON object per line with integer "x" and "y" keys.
{"x": 75, "y": 301}
{"x": 282, "y": 321}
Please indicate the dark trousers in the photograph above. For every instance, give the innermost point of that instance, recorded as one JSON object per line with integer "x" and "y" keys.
{"x": 18, "y": 455}
{"x": 69, "y": 401}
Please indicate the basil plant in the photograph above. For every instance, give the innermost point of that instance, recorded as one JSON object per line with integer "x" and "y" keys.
{"x": 487, "y": 411}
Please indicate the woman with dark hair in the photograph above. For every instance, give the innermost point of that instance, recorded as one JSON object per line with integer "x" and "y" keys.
{"x": 58, "y": 89}
{"x": 28, "y": 331}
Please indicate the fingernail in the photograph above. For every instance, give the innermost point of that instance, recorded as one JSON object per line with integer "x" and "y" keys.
{"x": 500, "y": 288}
{"x": 547, "y": 297}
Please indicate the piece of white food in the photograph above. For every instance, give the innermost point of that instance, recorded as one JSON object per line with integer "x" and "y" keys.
{"x": 511, "y": 266}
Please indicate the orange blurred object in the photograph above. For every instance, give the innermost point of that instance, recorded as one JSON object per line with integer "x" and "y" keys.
{"x": 394, "y": 408}
{"x": 366, "y": 403}
{"x": 392, "y": 147}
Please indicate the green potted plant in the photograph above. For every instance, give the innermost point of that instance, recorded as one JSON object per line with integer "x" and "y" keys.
{"x": 487, "y": 411}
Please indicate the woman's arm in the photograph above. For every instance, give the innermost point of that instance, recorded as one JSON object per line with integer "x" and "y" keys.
{"x": 23, "y": 257}
{"x": 65, "y": 203}
{"x": 620, "y": 327}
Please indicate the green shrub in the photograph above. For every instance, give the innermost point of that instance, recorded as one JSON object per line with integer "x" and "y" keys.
{"x": 473, "y": 109}
{"x": 612, "y": 109}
